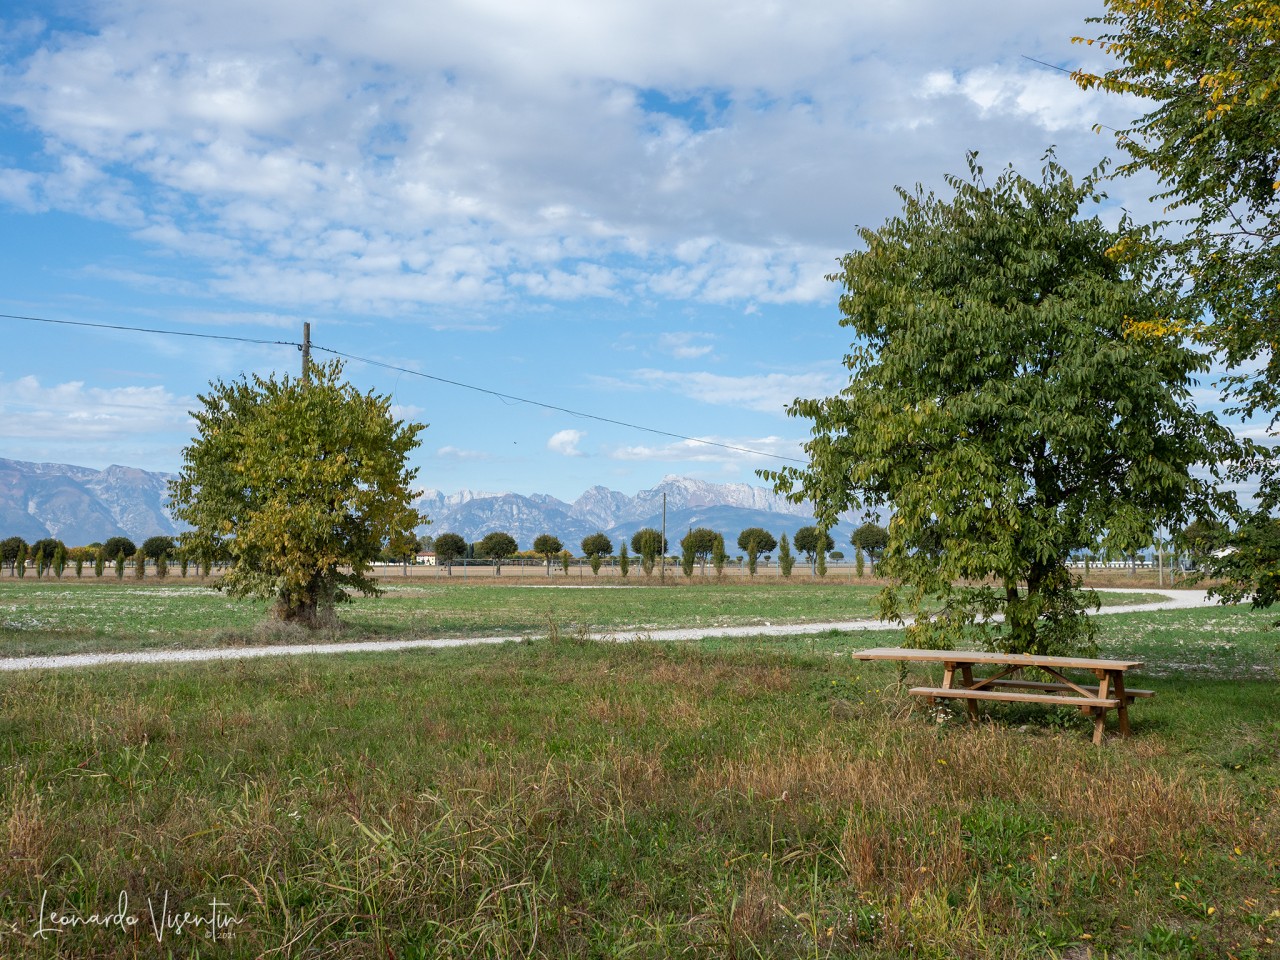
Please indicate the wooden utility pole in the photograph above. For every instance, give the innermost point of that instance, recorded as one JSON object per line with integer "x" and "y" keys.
{"x": 306, "y": 352}
{"x": 662, "y": 576}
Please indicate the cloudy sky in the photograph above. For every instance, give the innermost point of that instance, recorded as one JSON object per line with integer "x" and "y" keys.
{"x": 622, "y": 208}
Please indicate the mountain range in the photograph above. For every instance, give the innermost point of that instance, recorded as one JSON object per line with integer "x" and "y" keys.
{"x": 80, "y": 505}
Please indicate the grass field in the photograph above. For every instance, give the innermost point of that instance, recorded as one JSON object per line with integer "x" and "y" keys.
{"x": 559, "y": 797}
{"x": 49, "y": 617}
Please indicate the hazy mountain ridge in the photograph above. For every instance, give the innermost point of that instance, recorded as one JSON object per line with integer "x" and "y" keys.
{"x": 80, "y": 505}
{"x": 727, "y": 508}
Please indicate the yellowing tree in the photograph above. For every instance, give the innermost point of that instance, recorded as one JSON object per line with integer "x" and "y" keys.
{"x": 1211, "y": 71}
{"x": 301, "y": 482}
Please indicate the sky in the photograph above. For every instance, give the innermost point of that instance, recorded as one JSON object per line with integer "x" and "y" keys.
{"x": 617, "y": 208}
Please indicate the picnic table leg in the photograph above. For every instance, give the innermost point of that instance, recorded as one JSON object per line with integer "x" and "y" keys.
{"x": 1123, "y": 709}
{"x": 966, "y": 671}
{"x": 1100, "y": 713}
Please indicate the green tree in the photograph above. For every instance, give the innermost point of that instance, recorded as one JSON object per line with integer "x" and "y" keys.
{"x": 594, "y": 547}
{"x": 1020, "y": 412}
{"x": 649, "y": 544}
{"x": 497, "y": 546}
{"x": 449, "y": 547}
{"x": 718, "y": 556}
{"x": 48, "y": 546}
{"x": 872, "y": 538}
{"x": 9, "y": 548}
{"x": 301, "y": 481}
{"x": 39, "y": 561}
{"x": 21, "y": 560}
{"x": 1201, "y": 537}
{"x": 755, "y": 541}
{"x": 859, "y": 561}
{"x": 624, "y": 561}
{"x": 702, "y": 540}
{"x": 565, "y": 559}
{"x": 99, "y": 561}
{"x": 1211, "y": 73}
{"x": 547, "y": 546}
{"x": 59, "y": 561}
{"x": 786, "y": 559}
{"x": 1248, "y": 565}
{"x": 688, "y": 556}
{"x": 119, "y": 547}
{"x": 811, "y": 541}
{"x": 156, "y": 547}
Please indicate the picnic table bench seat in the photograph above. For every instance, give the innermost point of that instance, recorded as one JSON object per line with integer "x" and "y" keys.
{"x": 1106, "y": 692}
{"x": 1005, "y": 695}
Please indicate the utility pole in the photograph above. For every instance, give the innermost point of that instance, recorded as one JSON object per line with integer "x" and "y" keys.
{"x": 306, "y": 352}
{"x": 662, "y": 576}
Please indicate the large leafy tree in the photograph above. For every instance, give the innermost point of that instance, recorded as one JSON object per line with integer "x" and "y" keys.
{"x": 595, "y": 546}
{"x": 301, "y": 481}
{"x": 755, "y": 541}
{"x": 547, "y": 546}
{"x": 153, "y": 548}
{"x": 119, "y": 547}
{"x": 497, "y": 546}
{"x": 9, "y": 548}
{"x": 449, "y": 547}
{"x": 871, "y": 538}
{"x": 1211, "y": 71}
{"x": 700, "y": 542}
{"x": 649, "y": 544}
{"x": 812, "y": 541}
{"x": 1004, "y": 401}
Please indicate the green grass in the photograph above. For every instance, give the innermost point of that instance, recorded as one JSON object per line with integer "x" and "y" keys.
{"x": 766, "y": 798}
{"x": 52, "y": 617}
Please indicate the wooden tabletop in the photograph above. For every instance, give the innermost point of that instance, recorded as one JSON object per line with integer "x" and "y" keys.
{"x": 981, "y": 656}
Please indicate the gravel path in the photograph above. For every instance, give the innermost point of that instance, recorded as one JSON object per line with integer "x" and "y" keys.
{"x": 1177, "y": 600}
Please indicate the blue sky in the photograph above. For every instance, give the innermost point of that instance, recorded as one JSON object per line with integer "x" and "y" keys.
{"x": 621, "y": 208}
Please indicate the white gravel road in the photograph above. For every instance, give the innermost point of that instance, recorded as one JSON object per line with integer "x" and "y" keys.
{"x": 1177, "y": 600}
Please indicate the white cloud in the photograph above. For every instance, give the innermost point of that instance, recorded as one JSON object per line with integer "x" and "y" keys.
{"x": 756, "y": 451}
{"x": 458, "y": 453}
{"x": 73, "y": 412}
{"x": 375, "y": 158}
{"x": 565, "y": 442}
{"x": 686, "y": 346}
{"x": 767, "y": 393}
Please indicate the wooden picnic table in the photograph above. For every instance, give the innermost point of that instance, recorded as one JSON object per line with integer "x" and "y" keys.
{"x": 1108, "y": 691}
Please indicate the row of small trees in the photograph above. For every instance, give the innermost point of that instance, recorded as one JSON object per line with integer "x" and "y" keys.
{"x": 51, "y": 555}
{"x": 699, "y": 545}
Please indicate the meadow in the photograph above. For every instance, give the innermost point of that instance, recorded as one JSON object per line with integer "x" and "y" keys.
{"x": 69, "y": 616}
{"x": 559, "y": 796}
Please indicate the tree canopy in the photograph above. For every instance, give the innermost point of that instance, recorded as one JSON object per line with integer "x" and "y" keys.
{"x": 497, "y": 545}
{"x": 811, "y": 541}
{"x": 547, "y": 546}
{"x": 649, "y": 544}
{"x": 700, "y": 542}
{"x": 871, "y": 537}
{"x": 756, "y": 540}
{"x": 118, "y": 546}
{"x": 153, "y": 548}
{"x": 449, "y": 547}
{"x": 1006, "y": 402}
{"x": 596, "y": 545}
{"x": 1212, "y": 73}
{"x": 301, "y": 481}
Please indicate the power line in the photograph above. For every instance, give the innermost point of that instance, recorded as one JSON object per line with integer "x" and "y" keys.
{"x": 505, "y": 397}
{"x": 550, "y": 406}
{"x": 169, "y": 333}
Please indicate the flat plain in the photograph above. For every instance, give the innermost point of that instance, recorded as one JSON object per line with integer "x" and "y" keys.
{"x": 558, "y": 796}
